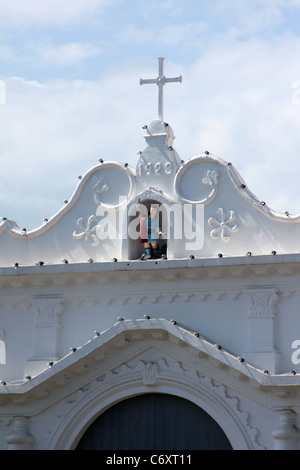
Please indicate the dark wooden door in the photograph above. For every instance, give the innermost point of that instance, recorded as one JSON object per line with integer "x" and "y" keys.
{"x": 154, "y": 422}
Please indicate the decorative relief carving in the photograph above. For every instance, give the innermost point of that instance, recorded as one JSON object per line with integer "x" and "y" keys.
{"x": 156, "y": 297}
{"x": 149, "y": 373}
{"x": 99, "y": 188}
{"x": 211, "y": 180}
{"x": 223, "y": 225}
{"x": 162, "y": 369}
{"x": 262, "y": 302}
{"x": 183, "y": 185}
{"x": 155, "y": 169}
{"x": 47, "y": 312}
{"x": 88, "y": 230}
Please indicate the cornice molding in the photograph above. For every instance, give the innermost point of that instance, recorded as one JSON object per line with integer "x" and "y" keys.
{"x": 281, "y": 266}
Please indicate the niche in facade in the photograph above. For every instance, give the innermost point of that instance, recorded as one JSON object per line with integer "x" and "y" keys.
{"x": 147, "y": 230}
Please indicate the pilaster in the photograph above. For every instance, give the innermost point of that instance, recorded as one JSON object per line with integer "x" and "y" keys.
{"x": 261, "y": 350}
{"x": 20, "y": 438}
{"x": 287, "y": 435}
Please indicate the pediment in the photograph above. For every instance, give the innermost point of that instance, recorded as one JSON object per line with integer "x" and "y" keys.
{"x": 145, "y": 351}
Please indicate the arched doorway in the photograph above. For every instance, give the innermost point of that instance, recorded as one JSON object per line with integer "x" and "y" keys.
{"x": 154, "y": 422}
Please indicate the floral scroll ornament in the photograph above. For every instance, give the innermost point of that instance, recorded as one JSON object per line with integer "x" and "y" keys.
{"x": 88, "y": 231}
{"x": 223, "y": 226}
{"x": 211, "y": 179}
{"x": 99, "y": 188}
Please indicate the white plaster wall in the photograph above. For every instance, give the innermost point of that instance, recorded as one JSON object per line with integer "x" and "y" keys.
{"x": 215, "y": 305}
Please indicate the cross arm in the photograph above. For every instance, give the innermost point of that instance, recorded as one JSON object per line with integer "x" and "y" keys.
{"x": 177, "y": 79}
{"x": 148, "y": 80}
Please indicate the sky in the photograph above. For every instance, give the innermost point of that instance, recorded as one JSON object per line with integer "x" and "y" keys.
{"x": 70, "y": 93}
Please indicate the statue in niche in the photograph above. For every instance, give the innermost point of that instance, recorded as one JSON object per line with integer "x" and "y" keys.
{"x": 150, "y": 233}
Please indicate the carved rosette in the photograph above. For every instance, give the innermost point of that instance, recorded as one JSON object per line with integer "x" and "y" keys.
{"x": 223, "y": 226}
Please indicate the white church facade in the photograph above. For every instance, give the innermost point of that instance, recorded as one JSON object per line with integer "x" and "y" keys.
{"x": 200, "y": 321}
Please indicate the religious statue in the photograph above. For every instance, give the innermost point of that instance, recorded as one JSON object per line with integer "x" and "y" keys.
{"x": 150, "y": 233}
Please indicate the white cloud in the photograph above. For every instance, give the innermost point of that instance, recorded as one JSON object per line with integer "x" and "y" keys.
{"x": 35, "y": 57}
{"x": 236, "y": 101}
{"x": 52, "y": 132}
{"x": 48, "y": 11}
{"x": 171, "y": 35}
{"x": 66, "y": 54}
{"x": 250, "y": 17}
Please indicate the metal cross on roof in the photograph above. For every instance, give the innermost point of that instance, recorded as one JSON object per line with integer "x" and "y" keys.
{"x": 160, "y": 81}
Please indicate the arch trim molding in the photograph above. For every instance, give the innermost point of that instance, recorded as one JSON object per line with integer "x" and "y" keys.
{"x": 127, "y": 381}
